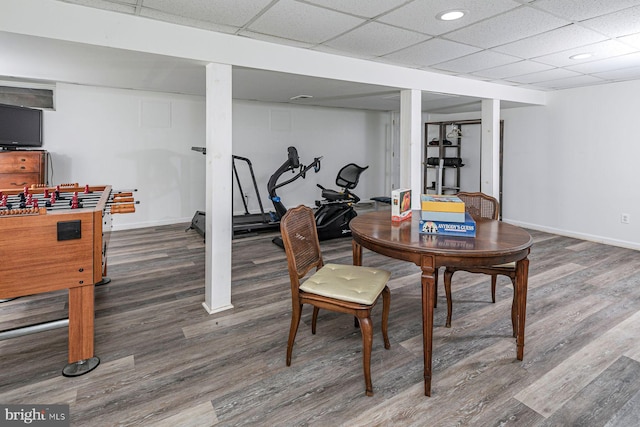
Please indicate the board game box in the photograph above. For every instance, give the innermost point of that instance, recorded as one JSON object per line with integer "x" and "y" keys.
{"x": 466, "y": 228}
{"x": 400, "y": 204}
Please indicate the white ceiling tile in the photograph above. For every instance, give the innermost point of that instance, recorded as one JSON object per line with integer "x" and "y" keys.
{"x": 617, "y": 24}
{"x": 534, "y": 87}
{"x": 273, "y": 39}
{"x": 623, "y": 74}
{"x": 276, "y": 88}
{"x": 504, "y": 82}
{"x": 508, "y": 27}
{"x": 180, "y": 20}
{"x": 554, "y": 74}
{"x": 515, "y": 69}
{"x": 327, "y": 49}
{"x": 99, "y": 3}
{"x": 420, "y": 15}
{"x": 474, "y": 77}
{"x": 570, "y": 82}
{"x": 366, "y": 8}
{"x": 376, "y": 39}
{"x": 601, "y": 50}
{"x": 126, "y": 6}
{"x": 229, "y": 12}
{"x": 562, "y": 38}
{"x": 431, "y": 52}
{"x": 299, "y": 21}
{"x": 615, "y": 63}
{"x": 632, "y": 40}
{"x": 579, "y": 10}
{"x": 476, "y": 61}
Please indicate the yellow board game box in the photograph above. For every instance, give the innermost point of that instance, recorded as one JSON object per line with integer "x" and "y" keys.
{"x": 441, "y": 203}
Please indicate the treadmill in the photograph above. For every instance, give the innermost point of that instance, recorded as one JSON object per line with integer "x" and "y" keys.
{"x": 263, "y": 221}
{"x": 248, "y": 222}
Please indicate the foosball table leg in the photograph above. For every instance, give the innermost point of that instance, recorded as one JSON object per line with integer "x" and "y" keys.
{"x": 104, "y": 281}
{"x": 81, "y": 319}
{"x": 105, "y": 278}
{"x": 80, "y": 367}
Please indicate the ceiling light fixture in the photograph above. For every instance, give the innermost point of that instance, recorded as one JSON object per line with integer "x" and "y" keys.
{"x": 581, "y": 55}
{"x": 451, "y": 15}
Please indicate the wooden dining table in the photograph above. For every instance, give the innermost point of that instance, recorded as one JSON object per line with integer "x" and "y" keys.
{"x": 495, "y": 243}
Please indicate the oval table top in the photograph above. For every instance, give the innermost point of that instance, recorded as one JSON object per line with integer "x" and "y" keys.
{"x": 496, "y": 242}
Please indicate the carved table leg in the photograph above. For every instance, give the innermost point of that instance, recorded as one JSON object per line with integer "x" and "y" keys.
{"x": 428, "y": 283}
{"x": 522, "y": 276}
{"x": 357, "y": 253}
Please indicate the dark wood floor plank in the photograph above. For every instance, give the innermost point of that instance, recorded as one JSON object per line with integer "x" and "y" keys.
{"x": 604, "y": 398}
{"x": 568, "y": 378}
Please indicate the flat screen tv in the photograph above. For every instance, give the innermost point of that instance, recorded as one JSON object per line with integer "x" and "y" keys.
{"x": 20, "y": 127}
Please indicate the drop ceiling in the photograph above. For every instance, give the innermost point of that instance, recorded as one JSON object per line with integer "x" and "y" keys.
{"x": 512, "y": 42}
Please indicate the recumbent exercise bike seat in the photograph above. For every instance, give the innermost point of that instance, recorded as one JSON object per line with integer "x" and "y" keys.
{"x": 347, "y": 178}
{"x": 336, "y": 210}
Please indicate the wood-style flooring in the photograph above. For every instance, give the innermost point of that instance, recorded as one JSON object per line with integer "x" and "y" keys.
{"x": 166, "y": 362}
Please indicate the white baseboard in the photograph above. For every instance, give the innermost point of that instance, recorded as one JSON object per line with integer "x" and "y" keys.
{"x": 217, "y": 309}
{"x": 135, "y": 225}
{"x": 576, "y": 235}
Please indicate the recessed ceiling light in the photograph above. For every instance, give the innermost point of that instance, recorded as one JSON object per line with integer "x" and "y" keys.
{"x": 581, "y": 56}
{"x": 451, "y": 15}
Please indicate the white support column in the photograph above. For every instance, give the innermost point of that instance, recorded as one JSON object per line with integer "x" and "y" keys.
{"x": 219, "y": 227}
{"x": 490, "y": 150}
{"x": 410, "y": 144}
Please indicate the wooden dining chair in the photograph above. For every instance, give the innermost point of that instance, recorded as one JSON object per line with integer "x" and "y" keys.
{"x": 480, "y": 205}
{"x": 342, "y": 288}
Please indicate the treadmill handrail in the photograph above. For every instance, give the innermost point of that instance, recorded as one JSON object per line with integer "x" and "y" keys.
{"x": 255, "y": 185}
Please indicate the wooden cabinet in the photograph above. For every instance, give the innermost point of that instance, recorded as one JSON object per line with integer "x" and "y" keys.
{"x": 22, "y": 168}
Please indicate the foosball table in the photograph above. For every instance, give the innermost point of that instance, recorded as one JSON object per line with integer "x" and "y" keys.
{"x": 60, "y": 236}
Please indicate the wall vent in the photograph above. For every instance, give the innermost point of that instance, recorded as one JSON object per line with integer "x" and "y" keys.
{"x": 26, "y": 97}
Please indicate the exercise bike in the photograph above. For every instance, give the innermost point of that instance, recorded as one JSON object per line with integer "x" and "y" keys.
{"x": 336, "y": 209}
{"x": 291, "y": 164}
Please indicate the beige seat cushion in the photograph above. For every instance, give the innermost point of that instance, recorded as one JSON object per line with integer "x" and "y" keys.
{"x": 347, "y": 282}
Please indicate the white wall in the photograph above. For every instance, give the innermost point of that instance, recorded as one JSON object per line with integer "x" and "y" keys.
{"x": 130, "y": 139}
{"x": 134, "y": 139}
{"x": 262, "y": 132}
{"x": 471, "y": 142}
{"x": 572, "y": 167}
